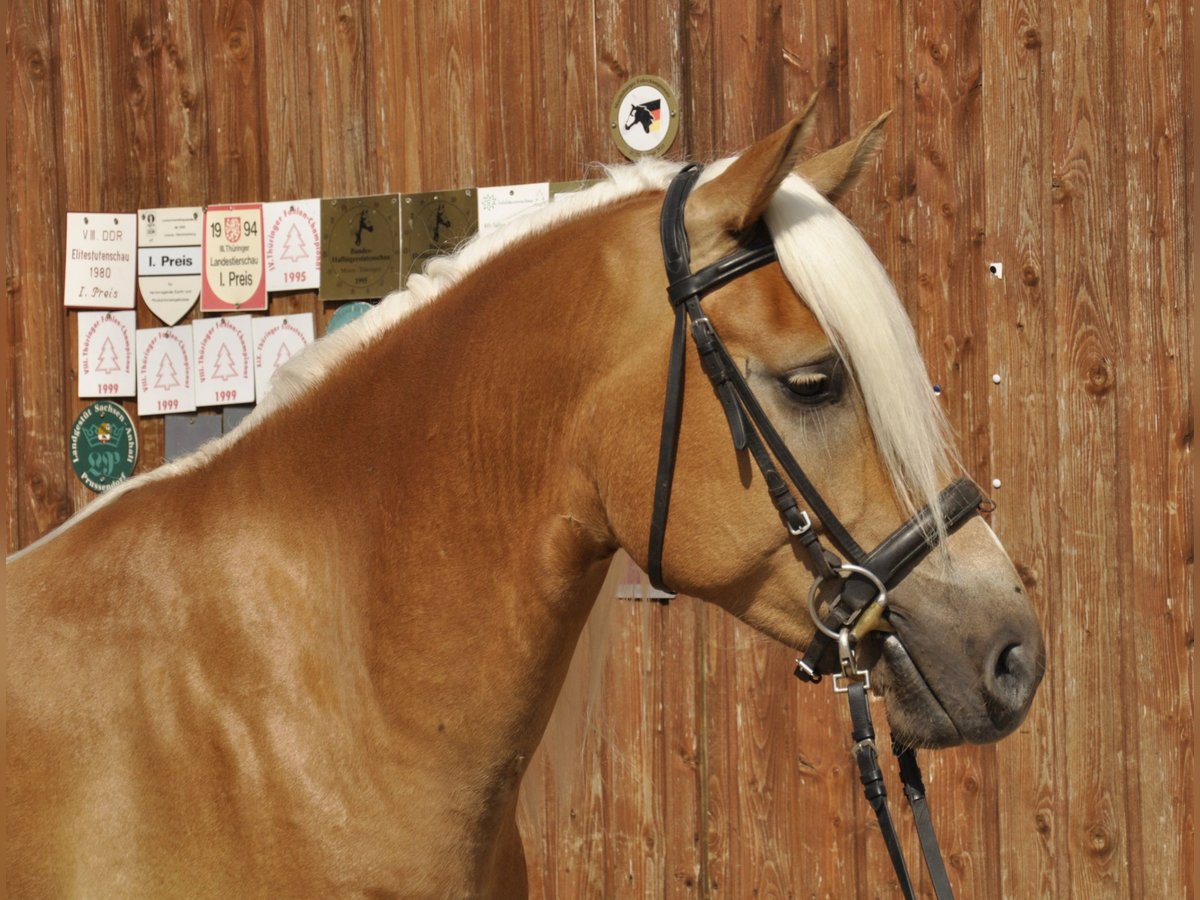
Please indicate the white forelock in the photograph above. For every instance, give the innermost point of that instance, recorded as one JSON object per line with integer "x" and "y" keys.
{"x": 842, "y": 281}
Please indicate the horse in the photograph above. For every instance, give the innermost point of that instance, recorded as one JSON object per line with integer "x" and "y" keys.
{"x": 314, "y": 657}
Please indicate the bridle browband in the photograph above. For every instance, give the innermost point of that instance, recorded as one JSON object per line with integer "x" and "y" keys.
{"x": 865, "y": 578}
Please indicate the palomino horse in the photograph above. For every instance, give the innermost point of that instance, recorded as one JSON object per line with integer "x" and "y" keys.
{"x": 312, "y": 659}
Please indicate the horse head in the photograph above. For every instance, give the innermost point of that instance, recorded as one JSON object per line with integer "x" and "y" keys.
{"x": 822, "y": 342}
{"x": 638, "y": 115}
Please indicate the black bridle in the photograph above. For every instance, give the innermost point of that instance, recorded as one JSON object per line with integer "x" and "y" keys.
{"x": 865, "y": 577}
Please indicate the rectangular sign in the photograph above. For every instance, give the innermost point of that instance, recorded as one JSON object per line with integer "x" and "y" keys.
{"x": 293, "y": 245}
{"x": 276, "y": 340}
{"x": 360, "y": 247}
{"x": 434, "y": 224}
{"x": 106, "y": 360}
{"x": 170, "y": 257}
{"x": 500, "y": 205}
{"x": 165, "y": 371}
{"x": 101, "y": 260}
{"x": 224, "y": 360}
{"x": 176, "y": 226}
{"x": 156, "y": 261}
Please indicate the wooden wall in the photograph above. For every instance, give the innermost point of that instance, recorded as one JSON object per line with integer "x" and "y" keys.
{"x": 1049, "y": 135}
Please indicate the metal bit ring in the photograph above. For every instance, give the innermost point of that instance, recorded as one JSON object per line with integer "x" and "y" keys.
{"x": 814, "y": 609}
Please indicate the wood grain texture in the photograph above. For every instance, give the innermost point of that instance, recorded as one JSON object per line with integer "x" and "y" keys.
{"x": 1049, "y": 135}
{"x": 1091, "y": 342}
{"x": 1016, "y": 99}
{"x": 1153, "y": 409}
{"x": 36, "y": 224}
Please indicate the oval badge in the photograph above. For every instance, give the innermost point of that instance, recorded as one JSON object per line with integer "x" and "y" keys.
{"x": 104, "y": 445}
{"x": 645, "y": 117}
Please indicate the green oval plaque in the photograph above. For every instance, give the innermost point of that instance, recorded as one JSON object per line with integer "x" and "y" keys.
{"x": 104, "y": 445}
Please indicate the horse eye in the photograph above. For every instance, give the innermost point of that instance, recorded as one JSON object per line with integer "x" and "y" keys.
{"x": 813, "y": 385}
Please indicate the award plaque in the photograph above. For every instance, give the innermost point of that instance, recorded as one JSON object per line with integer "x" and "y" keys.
{"x": 360, "y": 247}
{"x": 435, "y": 224}
{"x": 104, "y": 445}
{"x": 645, "y": 117}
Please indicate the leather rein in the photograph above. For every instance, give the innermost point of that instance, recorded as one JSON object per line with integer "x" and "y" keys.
{"x": 865, "y": 578}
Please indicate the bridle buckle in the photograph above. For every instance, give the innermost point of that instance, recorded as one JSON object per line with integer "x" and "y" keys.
{"x": 802, "y": 526}
{"x": 850, "y": 673}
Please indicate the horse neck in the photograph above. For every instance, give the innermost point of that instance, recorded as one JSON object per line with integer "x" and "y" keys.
{"x": 469, "y": 538}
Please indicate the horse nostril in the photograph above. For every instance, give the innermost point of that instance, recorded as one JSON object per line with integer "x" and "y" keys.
{"x": 1011, "y": 681}
{"x": 1007, "y": 663}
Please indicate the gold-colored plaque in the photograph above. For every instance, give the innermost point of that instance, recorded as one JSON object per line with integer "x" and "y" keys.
{"x": 645, "y": 117}
{"x": 360, "y": 247}
{"x": 435, "y": 223}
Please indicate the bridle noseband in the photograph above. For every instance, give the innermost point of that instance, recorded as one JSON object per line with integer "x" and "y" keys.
{"x": 865, "y": 577}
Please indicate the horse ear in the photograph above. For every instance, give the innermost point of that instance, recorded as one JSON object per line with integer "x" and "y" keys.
{"x": 737, "y": 198}
{"x": 835, "y": 171}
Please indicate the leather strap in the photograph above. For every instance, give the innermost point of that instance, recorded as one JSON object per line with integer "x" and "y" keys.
{"x": 914, "y": 790}
{"x": 871, "y": 777}
{"x": 668, "y": 444}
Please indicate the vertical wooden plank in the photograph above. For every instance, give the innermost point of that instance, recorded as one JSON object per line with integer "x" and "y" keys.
{"x": 773, "y": 745}
{"x": 816, "y": 57}
{"x": 883, "y": 206}
{"x": 649, "y": 805}
{"x": 293, "y": 122}
{"x": 747, "y": 75}
{"x": 576, "y": 130}
{"x": 508, "y": 96}
{"x": 398, "y": 91}
{"x": 952, "y": 326}
{"x": 431, "y": 59}
{"x": 1154, "y": 410}
{"x": 637, "y": 38}
{"x": 41, "y": 496}
{"x": 341, "y": 87}
{"x": 181, "y": 104}
{"x": 107, "y": 152}
{"x": 181, "y": 112}
{"x": 1024, "y": 433}
{"x": 12, "y": 522}
{"x": 1089, "y": 196}
{"x": 233, "y": 57}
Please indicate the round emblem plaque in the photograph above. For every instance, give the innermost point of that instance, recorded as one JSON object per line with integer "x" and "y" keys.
{"x": 645, "y": 117}
{"x": 104, "y": 445}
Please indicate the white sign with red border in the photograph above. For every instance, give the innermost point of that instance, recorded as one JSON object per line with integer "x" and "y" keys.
{"x": 233, "y": 259}
{"x": 106, "y": 367}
